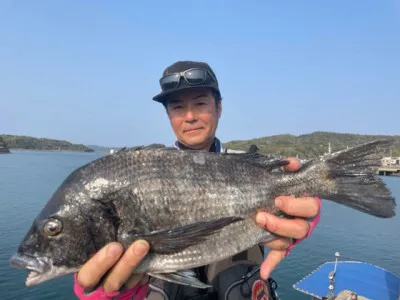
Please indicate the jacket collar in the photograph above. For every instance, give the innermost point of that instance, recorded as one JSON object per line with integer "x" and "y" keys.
{"x": 215, "y": 147}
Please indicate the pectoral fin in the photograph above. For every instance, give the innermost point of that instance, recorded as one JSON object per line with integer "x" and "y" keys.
{"x": 174, "y": 240}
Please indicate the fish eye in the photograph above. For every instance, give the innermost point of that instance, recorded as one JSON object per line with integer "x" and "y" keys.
{"x": 52, "y": 227}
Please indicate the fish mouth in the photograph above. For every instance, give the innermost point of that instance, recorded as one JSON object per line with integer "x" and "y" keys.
{"x": 41, "y": 270}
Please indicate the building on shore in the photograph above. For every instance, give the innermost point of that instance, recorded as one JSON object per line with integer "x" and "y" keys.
{"x": 390, "y": 161}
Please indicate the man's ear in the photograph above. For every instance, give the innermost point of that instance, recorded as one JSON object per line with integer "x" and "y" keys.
{"x": 219, "y": 109}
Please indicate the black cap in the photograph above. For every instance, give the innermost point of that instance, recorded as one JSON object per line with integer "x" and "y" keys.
{"x": 181, "y": 66}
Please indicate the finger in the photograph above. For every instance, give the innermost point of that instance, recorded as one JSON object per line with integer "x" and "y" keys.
{"x": 305, "y": 207}
{"x": 274, "y": 257}
{"x": 294, "y": 164}
{"x": 124, "y": 267}
{"x": 293, "y": 228}
{"x": 91, "y": 273}
{"x": 279, "y": 244}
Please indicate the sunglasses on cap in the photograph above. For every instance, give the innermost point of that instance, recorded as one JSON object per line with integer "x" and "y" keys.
{"x": 195, "y": 76}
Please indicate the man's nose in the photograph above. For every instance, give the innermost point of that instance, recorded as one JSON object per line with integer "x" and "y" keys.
{"x": 190, "y": 116}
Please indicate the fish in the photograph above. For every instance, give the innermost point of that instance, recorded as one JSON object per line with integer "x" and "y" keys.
{"x": 193, "y": 207}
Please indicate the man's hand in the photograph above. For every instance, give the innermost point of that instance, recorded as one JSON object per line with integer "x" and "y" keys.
{"x": 307, "y": 207}
{"x": 119, "y": 268}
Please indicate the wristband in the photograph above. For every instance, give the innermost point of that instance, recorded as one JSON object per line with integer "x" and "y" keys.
{"x": 139, "y": 292}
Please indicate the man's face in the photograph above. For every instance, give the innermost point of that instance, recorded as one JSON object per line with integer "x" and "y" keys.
{"x": 194, "y": 117}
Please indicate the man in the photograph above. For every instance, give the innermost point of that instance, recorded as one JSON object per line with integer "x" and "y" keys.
{"x": 192, "y": 99}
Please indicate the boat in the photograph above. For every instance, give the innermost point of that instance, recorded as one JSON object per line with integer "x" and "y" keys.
{"x": 342, "y": 280}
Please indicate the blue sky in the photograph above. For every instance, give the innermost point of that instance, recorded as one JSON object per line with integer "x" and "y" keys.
{"x": 86, "y": 71}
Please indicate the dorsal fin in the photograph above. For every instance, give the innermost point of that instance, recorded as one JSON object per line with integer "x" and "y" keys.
{"x": 144, "y": 147}
{"x": 253, "y": 148}
{"x": 267, "y": 162}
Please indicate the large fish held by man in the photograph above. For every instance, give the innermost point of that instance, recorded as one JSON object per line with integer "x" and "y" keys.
{"x": 193, "y": 207}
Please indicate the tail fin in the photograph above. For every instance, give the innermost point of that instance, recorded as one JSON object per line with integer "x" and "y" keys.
{"x": 357, "y": 185}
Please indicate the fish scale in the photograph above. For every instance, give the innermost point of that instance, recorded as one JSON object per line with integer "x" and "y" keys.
{"x": 173, "y": 195}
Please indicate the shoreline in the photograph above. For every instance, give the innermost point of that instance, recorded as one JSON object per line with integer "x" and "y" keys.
{"x": 52, "y": 150}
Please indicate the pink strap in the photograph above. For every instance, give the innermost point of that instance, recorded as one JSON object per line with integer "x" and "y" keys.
{"x": 313, "y": 224}
{"x": 139, "y": 292}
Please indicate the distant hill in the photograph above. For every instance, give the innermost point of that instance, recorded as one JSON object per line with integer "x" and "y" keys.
{"x": 45, "y": 144}
{"x": 305, "y": 146}
{"x": 309, "y": 145}
{"x": 3, "y": 146}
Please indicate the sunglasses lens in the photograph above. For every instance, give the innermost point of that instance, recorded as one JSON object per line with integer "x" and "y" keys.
{"x": 196, "y": 76}
{"x": 169, "y": 82}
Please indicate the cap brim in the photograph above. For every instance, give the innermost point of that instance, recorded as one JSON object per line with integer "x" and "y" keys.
{"x": 161, "y": 96}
